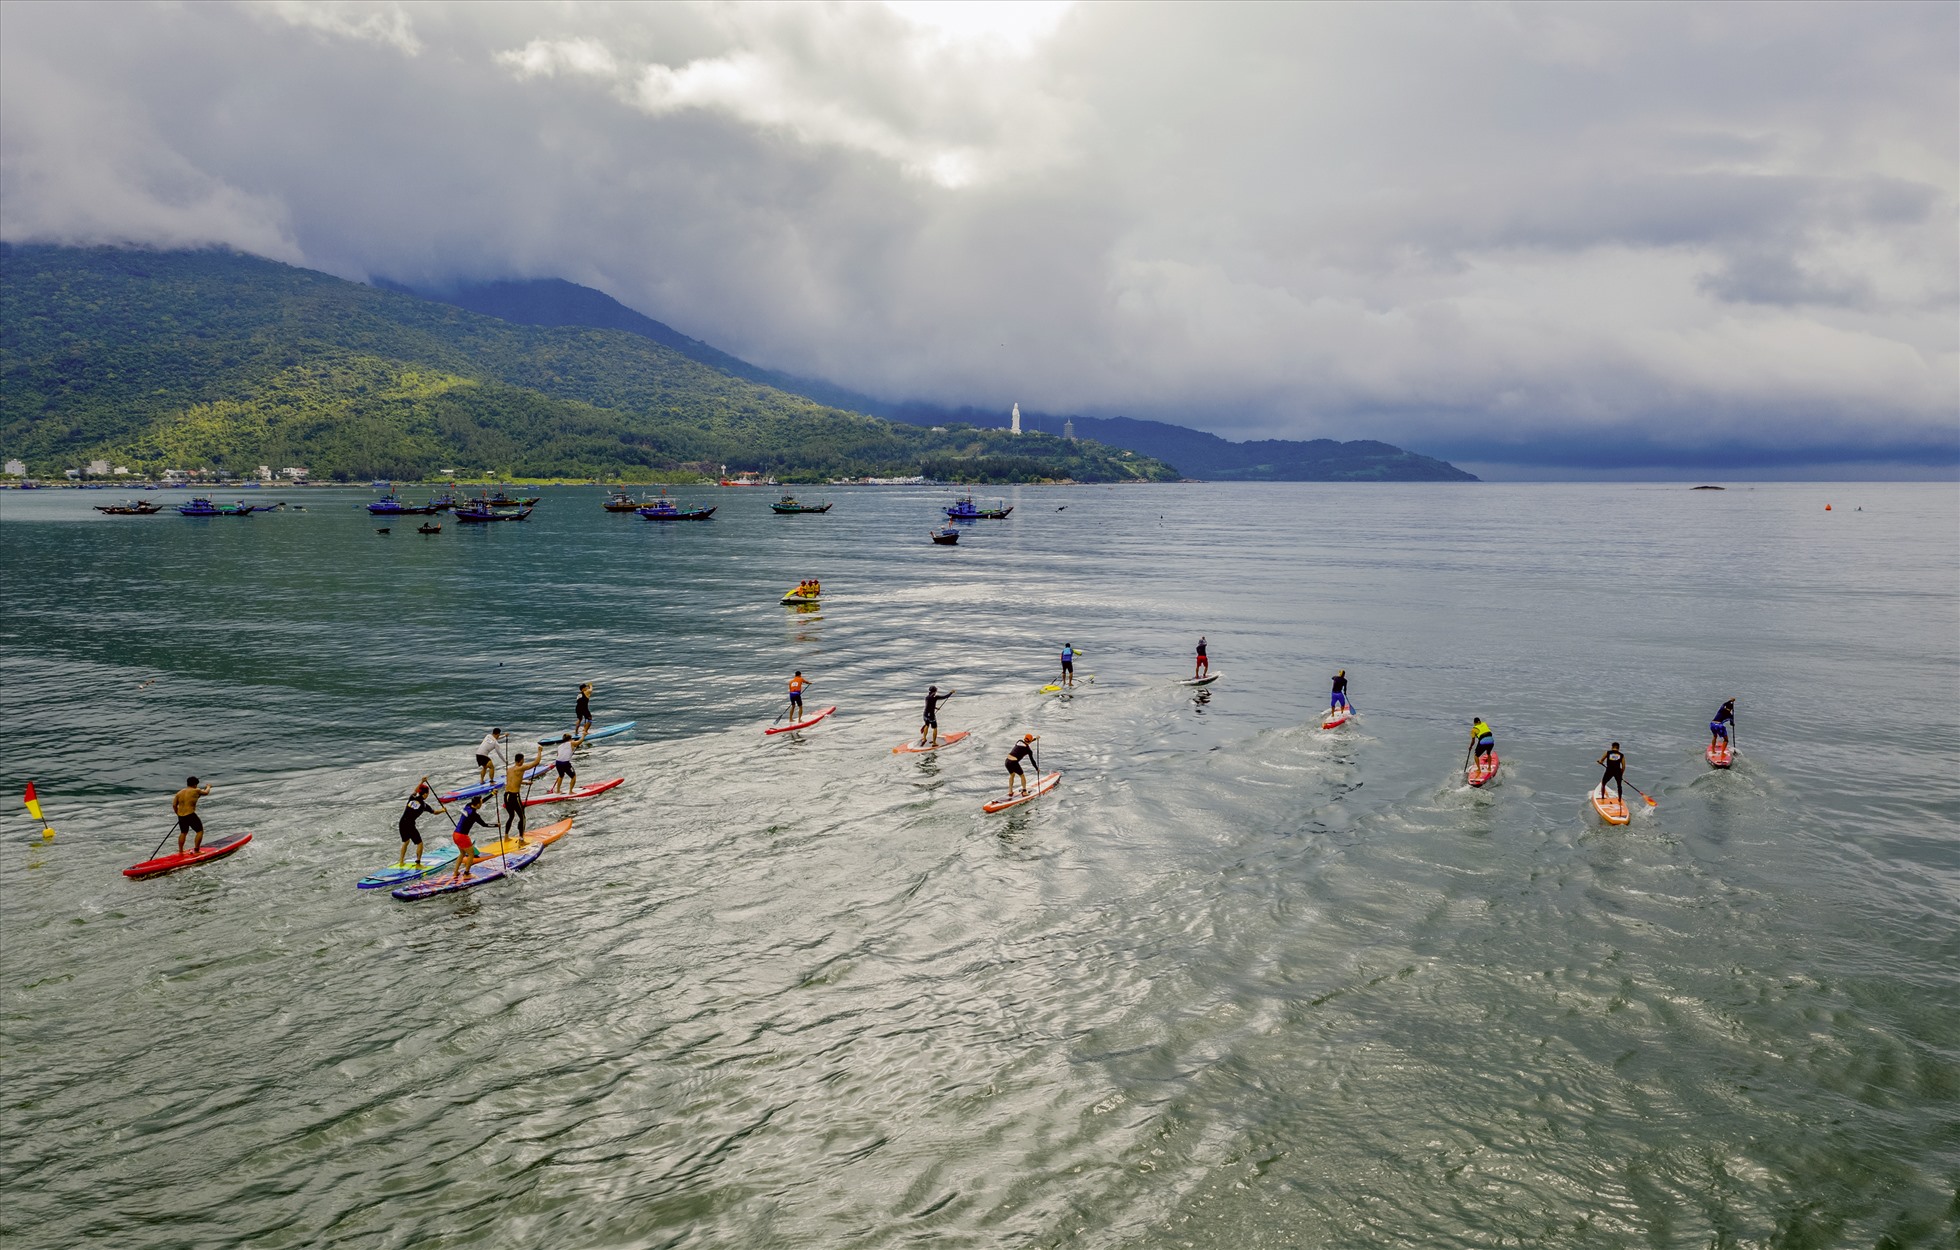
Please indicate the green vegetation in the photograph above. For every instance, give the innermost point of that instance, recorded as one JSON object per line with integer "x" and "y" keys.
{"x": 213, "y": 360}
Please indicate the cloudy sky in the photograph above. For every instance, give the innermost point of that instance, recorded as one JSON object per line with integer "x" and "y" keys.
{"x": 1709, "y": 235}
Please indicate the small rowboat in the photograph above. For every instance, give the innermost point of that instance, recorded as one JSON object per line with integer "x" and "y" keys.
{"x": 788, "y": 505}
{"x": 1482, "y": 770}
{"x": 946, "y": 538}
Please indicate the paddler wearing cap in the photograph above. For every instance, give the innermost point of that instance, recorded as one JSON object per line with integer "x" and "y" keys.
{"x": 1023, "y": 750}
{"x": 933, "y": 698}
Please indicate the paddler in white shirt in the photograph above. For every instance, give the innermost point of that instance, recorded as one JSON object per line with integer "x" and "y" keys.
{"x": 487, "y": 753}
{"x": 561, "y": 764}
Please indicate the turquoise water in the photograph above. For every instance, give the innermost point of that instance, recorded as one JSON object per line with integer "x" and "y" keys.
{"x": 1237, "y": 983}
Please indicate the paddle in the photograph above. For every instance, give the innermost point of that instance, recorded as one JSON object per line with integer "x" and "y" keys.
{"x": 1466, "y": 754}
{"x": 166, "y": 838}
{"x": 1642, "y": 793}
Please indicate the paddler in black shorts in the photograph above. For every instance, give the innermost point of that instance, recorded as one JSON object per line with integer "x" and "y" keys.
{"x": 1203, "y": 665}
{"x": 466, "y": 855}
{"x": 561, "y": 764}
{"x": 514, "y": 796}
{"x": 418, "y": 807}
{"x": 933, "y": 699}
{"x": 1615, "y": 765}
{"x": 1338, "y": 699}
{"x": 1718, "y": 729}
{"x": 486, "y": 756}
{"x": 582, "y": 712}
{"x": 1023, "y": 750}
{"x": 796, "y": 685}
{"x": 184, "y": 804}
{"x": 1068, "y": 664}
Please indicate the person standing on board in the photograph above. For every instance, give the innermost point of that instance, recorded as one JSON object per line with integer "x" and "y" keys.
{"x": 1615, "y": 765}
{"x": 1023, "y": 750}
{"x": 1204, "y": 661}
{"x": 1339, "y": 698}
{"x": 796, "y": 685}
{"x": 1068, "y": 664}
{"x": 933, "y": 699}
{"x": 487, "y": 752}
{"x": 514, "y": 795}
{"x": 418, "y": 807}
{"x": 466, "y": 855}
{"x": 582, "y": 712}
{"x": 1718, "y": 729}
{"x": 561, "y": 765}
{"x": 184, "y": 804}
{"x": 1481, "y": 738}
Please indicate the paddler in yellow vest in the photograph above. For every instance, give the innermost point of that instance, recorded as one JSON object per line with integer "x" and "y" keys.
{"x": 514, "y": 796}
{"x": 1481, "y": 738}
{"x": 184, "y": 804}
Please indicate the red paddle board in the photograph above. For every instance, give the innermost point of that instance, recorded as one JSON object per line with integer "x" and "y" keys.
{"x": 584, "y": 792}
{"x": 1721, "y": 754}
{"x": 945, "y": 740}
{"x": 802, "y": 724}
{"x": 173, "y": 861}
{"x": 1611, "y": 810}
{"x": 1034, "y": 792}
{"x": 1481, "y": 769}
{"x": 1334, "y": 718}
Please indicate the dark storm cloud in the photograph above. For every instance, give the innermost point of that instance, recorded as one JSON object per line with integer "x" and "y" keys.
{"x": 1714, "y": 231}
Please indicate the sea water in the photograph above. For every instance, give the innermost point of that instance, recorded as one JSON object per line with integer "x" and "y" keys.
{"x": 1238, "y": 982}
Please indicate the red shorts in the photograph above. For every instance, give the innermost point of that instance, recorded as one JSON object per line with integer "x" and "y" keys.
{"x": 462, "y": 841}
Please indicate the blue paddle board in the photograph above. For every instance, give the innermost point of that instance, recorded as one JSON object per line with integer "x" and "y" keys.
{"x": 481, "y": 873}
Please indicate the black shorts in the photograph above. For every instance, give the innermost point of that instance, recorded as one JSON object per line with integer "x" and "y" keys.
{"x": 932, "y": 718}
{"x": 564, "y": 768}
{"x": 513, "y": 801}
{"x": 1068, "y": 666}
{"x": 190, "y": 824}
{"x": 796, "y": 700}
{"x": 409, "y": 835}
{"x": 483, "y": 761}
{"x": 1014, "y": 766}
{"x": 1485, "y": 748}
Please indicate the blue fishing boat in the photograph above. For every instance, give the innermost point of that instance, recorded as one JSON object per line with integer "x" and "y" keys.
{"x": 664, "y": 510}
{"x": 388, "y": 505}
{"x": 478, "y": 513}
{"x": 201, "y": 506}
{"x": 967, "y": 510}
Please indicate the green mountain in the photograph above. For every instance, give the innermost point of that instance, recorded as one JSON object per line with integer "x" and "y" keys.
{"x": 212, "y": 359}
{"x": 555, "y": 302}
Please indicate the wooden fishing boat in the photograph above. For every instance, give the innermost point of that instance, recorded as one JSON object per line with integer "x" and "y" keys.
{"x": 135, "y": 507}
{"x": 620, "y": 501}
{"x": 502, "y": 500}
{"x": 388, "y": 505}
{"x": 202, "y": 506}
{"x": 470, "y": 512}
{"x": 946, "y": 537}
{"x": 664, "y": 510}
{"x": 788, "y": 505}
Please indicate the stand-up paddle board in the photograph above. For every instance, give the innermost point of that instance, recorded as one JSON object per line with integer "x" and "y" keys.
{"x": 1611, "y": 810}
{"x": 544, "y": 835}
{"x": 482, "y": 788}
{"x": 434, "y": 860}
{"x": 1721, "y": 755}
{"x": 1058, "y": 688}
{"x": 1034, "y": 792}
{"x": 945, "y": 740}
{"x": 802, "y": 724}
{"x": 173, "y": 861}
{"x": 1335, "y": 717}
{"x": 1206, "y": 680}
{"x": 1482, "y": 770}
{"x": 481, "y": 873}
{"x": 609, "y": 731}
{"x": 583, "y": 792}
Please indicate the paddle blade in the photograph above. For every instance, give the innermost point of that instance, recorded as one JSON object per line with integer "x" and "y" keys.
{"x": 1650, "y": 802}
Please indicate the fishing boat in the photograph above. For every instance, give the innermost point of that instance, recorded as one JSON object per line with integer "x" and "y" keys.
{"x": 472, "y": 512}
{"x": 967, "y": 510}
{"x": 443, "y": 502}
{"x": 388, "y": 505}
{"x": 501, "y": 500}
{"x": 135, "y": 507}
{"x": 788, "y": 504}
{"x": 428, "y": 529}
{"x": 202, "y": 506}
{"x": 664, "y": 510}
{"x": 945, "y": 537}
{"x": 620, "y": 501}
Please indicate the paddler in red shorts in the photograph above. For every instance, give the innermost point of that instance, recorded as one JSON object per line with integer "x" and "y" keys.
{"x": 466, "y": 855}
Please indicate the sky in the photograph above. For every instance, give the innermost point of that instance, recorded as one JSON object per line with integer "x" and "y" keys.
{"x": 1539, "y": 238}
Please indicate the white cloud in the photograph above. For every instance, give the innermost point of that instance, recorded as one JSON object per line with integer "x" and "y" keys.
{"x": 362, "y": 20}
{"x": 1700, "y": 224}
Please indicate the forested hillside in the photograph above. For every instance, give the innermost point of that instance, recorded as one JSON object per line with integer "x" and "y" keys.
{"x": 213, "y": 359}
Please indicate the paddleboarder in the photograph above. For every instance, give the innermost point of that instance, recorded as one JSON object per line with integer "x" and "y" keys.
{"x": 1615, "y": 765}
{"x": 466, "y": 855}
{"x": 514, "y": 795}
{"x": 933, "y": 698}
{"x": 1204, "y": 660}
{"x": 1481, "y": 738}
{"x": 1718, "y": 729}
{"x": 1339, "y": 698}
{"x": 1068, "y": 664}
{"x": 487, "y": 752}
{"x": 796, "y": 685}
{"x": 1023, "y": 750}
{"x": 418, "y": 807}
{"x": 184, "y": 804}
{"x": 582, "y": 712}
{"x": 561, "y": 765}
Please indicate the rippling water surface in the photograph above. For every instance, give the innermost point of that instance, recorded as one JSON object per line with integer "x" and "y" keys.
{"x": 1239, "y": 982}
